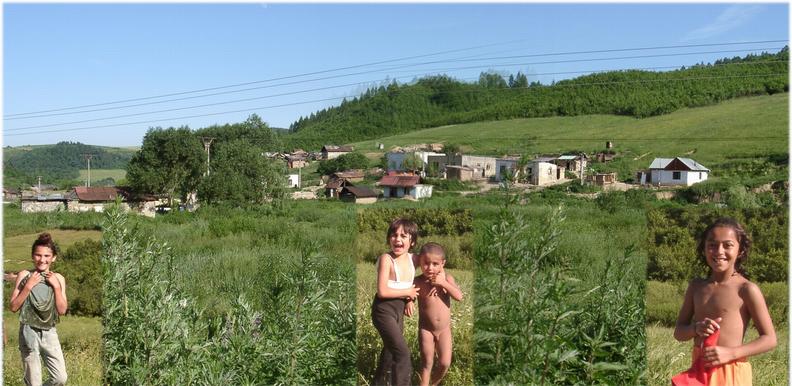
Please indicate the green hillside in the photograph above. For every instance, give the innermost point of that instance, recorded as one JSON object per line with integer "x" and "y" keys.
{"x": 442, "y": 100}
{"x": 738, "y": 129}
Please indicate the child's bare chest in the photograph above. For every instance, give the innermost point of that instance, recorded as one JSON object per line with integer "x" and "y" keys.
{"x": 716, "y": 300}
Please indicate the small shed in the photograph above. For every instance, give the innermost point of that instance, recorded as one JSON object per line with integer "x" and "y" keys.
{"x": 602, "y": 179}
{"x": 358, "y": 195}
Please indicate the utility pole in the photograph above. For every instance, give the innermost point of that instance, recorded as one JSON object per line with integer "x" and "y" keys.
{"x": 207, "y": 141}
{"x": 88, "y": 158}
{"x": 39, "y": 184}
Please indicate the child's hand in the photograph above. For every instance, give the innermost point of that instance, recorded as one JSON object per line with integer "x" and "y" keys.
{"x": 408, "y": 308}
{"x": 413, "y": 292}
{"x": 439, "y": 279}
{"x": 707, "y": 326}
{"x": 52, "y": 279}
{"x": 718, "y": 355}
{"x": 34, "y": 279}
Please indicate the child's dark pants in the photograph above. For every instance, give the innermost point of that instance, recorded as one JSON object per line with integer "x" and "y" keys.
{"x": 388, "y": 318}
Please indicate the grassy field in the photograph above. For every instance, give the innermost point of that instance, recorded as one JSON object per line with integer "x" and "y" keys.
{"x": 667, "y": 357}
{"x": 81, "y": 342}
{"x": 369, "y": 342}
{"x": 16, "y": 249}
{"x": 707, "y": 134}
{"x": 100, "y": 174}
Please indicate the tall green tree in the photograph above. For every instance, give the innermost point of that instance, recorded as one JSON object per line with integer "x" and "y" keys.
{"x": 241, "y": 175}
{"x": 412, "y": 162}
{"x": 170, "y": 162}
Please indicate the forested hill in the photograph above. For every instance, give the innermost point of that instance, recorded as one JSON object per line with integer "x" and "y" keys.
{"x": 58, "y": 162}
{"x": 441, "y": 100}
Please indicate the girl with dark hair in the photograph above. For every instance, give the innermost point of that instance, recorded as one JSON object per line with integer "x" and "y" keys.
{"x": 716, "y": 312}
{"x": 40, "y": 297}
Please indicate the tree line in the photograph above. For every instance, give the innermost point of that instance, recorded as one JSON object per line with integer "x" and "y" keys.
{"x": 442, "y": 100}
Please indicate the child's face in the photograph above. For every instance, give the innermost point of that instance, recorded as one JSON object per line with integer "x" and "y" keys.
{"x": 43, "y": 258}
{"x": 722, "y": 249}
{"x": 400, "y": 242}
{"x": 432, "y": 264}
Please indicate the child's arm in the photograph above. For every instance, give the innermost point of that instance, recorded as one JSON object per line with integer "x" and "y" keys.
{"x": 58, "y": 284}
{"x": 18, "y": 295}
{"x": 383, "y": 271}
{"x": 448, "y": 283}
{"x": 757, "y": 309}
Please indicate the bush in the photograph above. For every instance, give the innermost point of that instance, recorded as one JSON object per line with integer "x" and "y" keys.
{"x": 82, "y": 268}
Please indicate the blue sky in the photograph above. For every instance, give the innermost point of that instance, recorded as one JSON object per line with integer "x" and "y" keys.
{"x": 58, "y": 56}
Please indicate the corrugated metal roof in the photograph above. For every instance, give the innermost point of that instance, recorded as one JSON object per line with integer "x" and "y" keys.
{"x": 99, "y": 193}
{"x": 661, "y": 163}
{"x": 361, "y": 191}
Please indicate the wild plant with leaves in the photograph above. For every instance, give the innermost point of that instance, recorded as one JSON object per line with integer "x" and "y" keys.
{"x": 537, "y": 323}
{"x": 156, "y": 333}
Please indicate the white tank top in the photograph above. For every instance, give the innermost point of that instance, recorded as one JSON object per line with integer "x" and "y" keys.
{"x": 398, "y": 283}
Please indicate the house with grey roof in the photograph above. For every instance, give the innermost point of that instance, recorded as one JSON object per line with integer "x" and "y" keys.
{"x": 674, "y": 171}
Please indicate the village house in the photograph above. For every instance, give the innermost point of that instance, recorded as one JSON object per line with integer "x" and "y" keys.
{"x": 395, "y": 159}
{"x": 92, "y": 199}
{"x": 504, "y": 166}
{"x": 353, "y": 175}
{"x": 575, "y": 163}
{"x": 485, "y": 165}
{"x": 462, "y": 173}
{"x": 358, "y": 195}
{"x": 540, "y": 172}
{"x": 674, "y": 171}
{"x": 294, "y": 180}
{"x": 404, "y": 185}
{"x": 296, "y": 161}
{"x": 11, "y": 194}
{"x": 333, "y": 151}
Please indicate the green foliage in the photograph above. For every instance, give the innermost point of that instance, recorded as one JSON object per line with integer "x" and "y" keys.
{"x": 412, "y": 162}
{"x": 242, "y": 176}
{"x": 157, "y": 331}
{"x": 82, "y": 269}
{"x": 170, "y": 162}
{"x": 442, "y": 100}
{"x": 253, "y": 129}
{"x": 673, "y": 235}
{"x": 354, "y": 160}
{"x": 59, "y": 162}
{"x": 537, "y": 324}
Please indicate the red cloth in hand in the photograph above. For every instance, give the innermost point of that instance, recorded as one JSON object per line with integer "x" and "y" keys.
{"x": 697, "y": 375}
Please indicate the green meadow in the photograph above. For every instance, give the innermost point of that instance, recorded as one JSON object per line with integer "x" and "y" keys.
{"x": 101, "y": 174}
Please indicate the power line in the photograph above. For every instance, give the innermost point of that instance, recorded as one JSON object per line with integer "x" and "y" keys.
{"x": 318, "y": 89}
{"x": 9, "y": 116}
{"x": 351, "y": 96}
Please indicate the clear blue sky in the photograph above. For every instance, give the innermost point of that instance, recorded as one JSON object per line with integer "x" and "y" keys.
{"x": 65, "y": 55}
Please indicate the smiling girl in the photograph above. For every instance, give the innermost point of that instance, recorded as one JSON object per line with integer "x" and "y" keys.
{"x": 40, "y": 296}
{"x": 716, "y": 311}
{"x": 395, "y": 272}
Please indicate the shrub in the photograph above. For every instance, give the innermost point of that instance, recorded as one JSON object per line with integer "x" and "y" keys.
{"x": 82, "y": 269}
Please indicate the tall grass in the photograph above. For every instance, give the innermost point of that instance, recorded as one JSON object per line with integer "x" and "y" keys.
{"x": 537, "y": 322}
{"x": 300, "y": 331}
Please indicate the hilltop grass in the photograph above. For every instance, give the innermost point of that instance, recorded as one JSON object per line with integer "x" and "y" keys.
{"x": 667, "y": 357}
{"x": 100, "y": 174}
{"x": 369, "y": 343}
{"x": 710, "y": 134}
{"x": 81, "y": 340}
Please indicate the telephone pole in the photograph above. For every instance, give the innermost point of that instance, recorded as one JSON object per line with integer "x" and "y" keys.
{"x": 88, "y": 158}
{"x": 39, "y": 184}
{"x": 207, "y": 141}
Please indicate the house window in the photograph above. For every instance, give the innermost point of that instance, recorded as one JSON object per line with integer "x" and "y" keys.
{"x": 677, "y": 176}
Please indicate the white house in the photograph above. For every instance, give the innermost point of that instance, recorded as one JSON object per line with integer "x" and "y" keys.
{"x": 544, "y": 173}
{"x": 675, "y": 171}
{"x": 294, "y": 180}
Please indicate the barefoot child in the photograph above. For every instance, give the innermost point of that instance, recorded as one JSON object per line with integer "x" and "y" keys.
{"x": 434, "y": 313}
{"x": 40, "y": 296}
{"x": 395, "y": 272}
{"x": 716, "y": 311}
